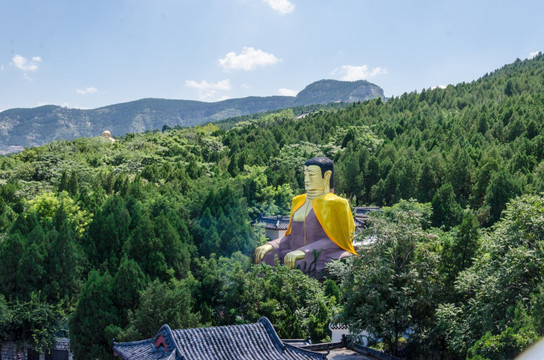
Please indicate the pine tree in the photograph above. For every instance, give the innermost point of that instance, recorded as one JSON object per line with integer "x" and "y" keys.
{"x": 108, "y": 232}
{"x": 95, "y": 320}
{"x": 73, "y": 184}
{"x": 63, "y": 185}
{"x": 11, "y": 251}
{"x": 129, "y": 281}
{"x": 446, "y": 211}
{"x": 31, "y": 269}
{"x": 502, "y": 187}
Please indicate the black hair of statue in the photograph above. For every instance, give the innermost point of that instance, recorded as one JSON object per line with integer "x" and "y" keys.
{"x": 325, "y": 164}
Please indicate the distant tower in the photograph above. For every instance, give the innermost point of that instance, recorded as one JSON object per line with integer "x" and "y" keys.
{"x": 107, "y": 135}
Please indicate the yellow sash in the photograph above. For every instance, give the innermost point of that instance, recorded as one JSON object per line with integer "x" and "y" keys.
{"x": 334, "y": 215}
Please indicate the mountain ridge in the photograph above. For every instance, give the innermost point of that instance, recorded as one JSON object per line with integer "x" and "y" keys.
{"x": 43, "y": 124}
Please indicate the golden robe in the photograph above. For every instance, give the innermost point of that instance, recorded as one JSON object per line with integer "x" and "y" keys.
{"x": 334, "y": 215}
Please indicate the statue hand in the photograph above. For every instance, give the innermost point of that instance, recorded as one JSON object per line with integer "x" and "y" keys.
{"x": 291, "y": 258}
{"x": 261, "y": 251}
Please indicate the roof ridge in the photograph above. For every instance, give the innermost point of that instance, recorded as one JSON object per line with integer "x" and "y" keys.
{"x": 272, "y": 332}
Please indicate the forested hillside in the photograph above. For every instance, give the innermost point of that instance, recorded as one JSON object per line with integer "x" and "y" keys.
{"x": 103, "y": 240}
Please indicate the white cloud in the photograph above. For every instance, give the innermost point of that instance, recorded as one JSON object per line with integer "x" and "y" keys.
{"x": 27, "y": 77}
{"x": 204, "y": 85}
{"x": 248, "y": 59}
{"x": 207, "y": 91}
{"x": 281, "y": 6}
{"x": 533, "y": 54}
{"x": 26, "y": 65}
{"x": 353, "y": 73}
{"x": 287, "y": 92}
{"x": 89, "y": 90}
{"x": 439, "y": 87}
{"x": 1, "y": 67}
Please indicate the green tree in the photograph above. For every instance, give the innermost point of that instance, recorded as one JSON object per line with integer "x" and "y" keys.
{"x": 31, "y": 269}
{"x": 64, "y": 263}
{"x": 34, "y": 322}
{"x": 6, "y": 317}
{"x": 161, "y": 304}
{"x": 501, "y": 189}
{"x": 95, "y": 320}
{"x": 107, "y": 233}
{"x": 459, "y": 250}
{"x": 430, "y": 178}
{"x": 148, "y": 250}
{"x": 392, "y": 287}
{"x": 11, "y": 252}
{"x": 129, "y": 281}
{"x": 407, "y": 180}
{"x": 351, "y": 177}
{"x": 176, "y": 252}
{"x": 73, "y": 184}
{"x": 63, "y": 184}
{"x": 331, "y": 289}
{"x": 505, "y": 346}
{"x": 446, "y": 211}
{"x": 233, "y": 291}
{"x": 483, "y": 175}
{"x": 505, "y": 276}
{"x": 224, "y": 225}
{"x": 459, "y": 175}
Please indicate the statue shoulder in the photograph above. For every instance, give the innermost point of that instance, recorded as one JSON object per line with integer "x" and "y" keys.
{"x": 332, "y": 198}
{"x": 335, "y": 202}
{"x": 299, "y": 198}
{"x": 297, "y": 202}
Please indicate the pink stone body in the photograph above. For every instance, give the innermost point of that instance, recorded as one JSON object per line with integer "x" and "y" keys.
{"x": 316, "y": 239}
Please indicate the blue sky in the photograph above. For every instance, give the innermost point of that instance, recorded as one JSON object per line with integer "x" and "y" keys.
{"x": 87, "y": 54}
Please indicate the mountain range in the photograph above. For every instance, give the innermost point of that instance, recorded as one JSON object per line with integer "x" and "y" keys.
{"x": 37, "y": 126}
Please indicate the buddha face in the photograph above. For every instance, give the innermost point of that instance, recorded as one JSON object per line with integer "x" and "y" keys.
{"x": 314, "y": 180}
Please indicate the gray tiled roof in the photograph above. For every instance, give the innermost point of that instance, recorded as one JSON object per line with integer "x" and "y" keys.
{"x": 236, "y": 342}
{"x": 278, "y": 222}
{"x": 144, "y": 349}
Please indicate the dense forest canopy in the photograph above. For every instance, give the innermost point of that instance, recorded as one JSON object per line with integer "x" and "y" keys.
{"x": 101, "y": 240}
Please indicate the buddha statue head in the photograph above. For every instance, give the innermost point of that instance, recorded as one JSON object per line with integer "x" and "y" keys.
{"x": 318, "y": 176}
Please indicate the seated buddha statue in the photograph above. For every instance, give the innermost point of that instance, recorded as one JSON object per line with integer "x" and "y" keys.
{"x": 320, "y": 227}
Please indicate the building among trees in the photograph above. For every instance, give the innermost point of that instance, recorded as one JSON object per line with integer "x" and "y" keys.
{"x": 236, "y": 342}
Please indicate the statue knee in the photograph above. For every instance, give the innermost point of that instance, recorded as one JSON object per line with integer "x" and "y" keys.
{"x": 270, "y": 258}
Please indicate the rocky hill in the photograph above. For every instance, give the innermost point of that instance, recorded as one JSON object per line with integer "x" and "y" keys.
{"x": 41, "y": 125}
{"x": 324, "y": 91}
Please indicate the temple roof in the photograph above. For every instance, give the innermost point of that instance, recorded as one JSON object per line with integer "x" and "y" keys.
{"x": 273, "y": 222}
{"x": 236, "y": 342}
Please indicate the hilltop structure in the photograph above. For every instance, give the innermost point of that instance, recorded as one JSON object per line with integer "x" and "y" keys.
{"x": 107, "y": 136}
